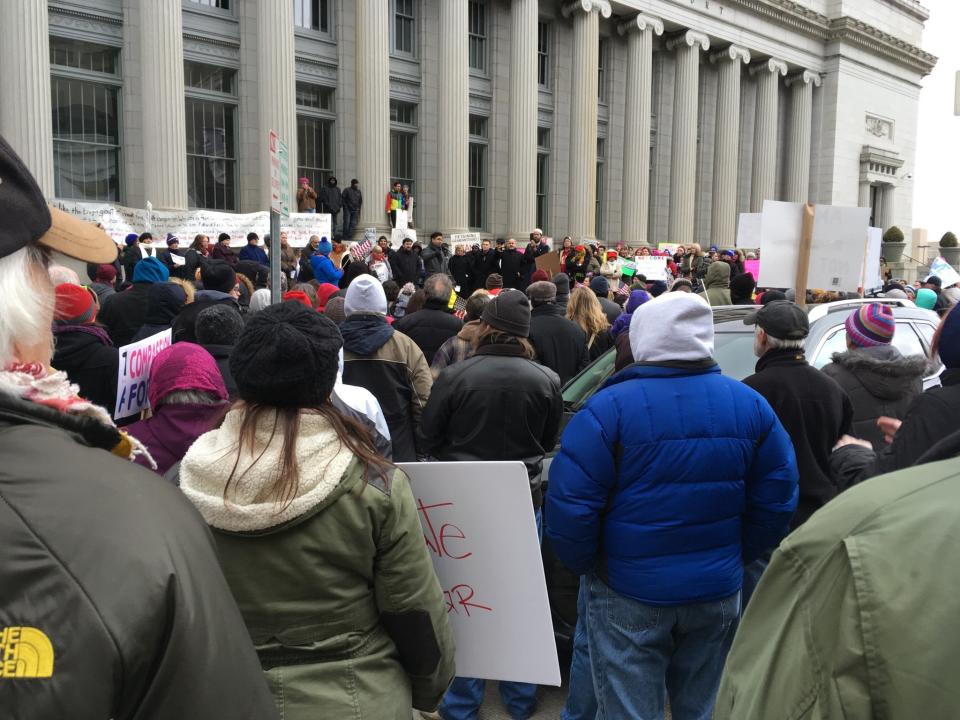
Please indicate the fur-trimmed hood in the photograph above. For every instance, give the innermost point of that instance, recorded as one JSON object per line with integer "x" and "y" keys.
{"x": 886, "y": 372}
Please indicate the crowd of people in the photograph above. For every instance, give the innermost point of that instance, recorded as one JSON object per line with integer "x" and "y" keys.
{"x": 266, "y": 560}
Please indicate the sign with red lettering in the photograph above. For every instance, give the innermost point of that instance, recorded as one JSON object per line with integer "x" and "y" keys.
{"x": 135, "y": 362}
{"x": 479, "y": 528}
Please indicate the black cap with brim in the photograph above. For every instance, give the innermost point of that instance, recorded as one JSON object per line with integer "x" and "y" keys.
{"x": 29, "y": 220}
{"x": 781, "y": 319}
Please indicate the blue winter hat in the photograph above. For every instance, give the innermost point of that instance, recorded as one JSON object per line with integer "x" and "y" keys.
{"x": 600, "y": 286}
{"x": 948, "y": 344}
{"x": 131, "y": 238}
{"x": 324, "y": 248}
{"x": 150, "y": 270}
{"x": 657, "y": 288}
{"x": 637, "y": 298}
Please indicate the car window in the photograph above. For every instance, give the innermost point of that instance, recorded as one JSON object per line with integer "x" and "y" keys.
{"x": 906, "y": 341}
{"x": 836, "y": 343}
{"x": 733, "y": 352}
{"x": 583, "y": 386}
{"x": 926, "y": 331}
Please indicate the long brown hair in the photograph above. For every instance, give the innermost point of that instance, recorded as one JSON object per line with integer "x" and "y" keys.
{"x": 584, "y": 309}
{"x": 489, "y": 335}
{"x": 286, "y": 420}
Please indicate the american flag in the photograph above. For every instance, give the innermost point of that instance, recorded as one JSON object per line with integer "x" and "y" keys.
{"x": 359, "y": 250}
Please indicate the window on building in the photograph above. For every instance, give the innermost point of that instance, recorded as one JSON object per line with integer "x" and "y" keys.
{"x": 602, "y": 67}
{"x": 315, "y": 127}
{"x": 477, "y": 173}
{"x": 211, "y": 108}
{"x": 404, "y": 27}
{"x": 543, "y": 176}
{"x": 312, "y": 15}
{"x": 222, "y": 4}
{"x": 315, "y": 97}
{"x": 601, "y": 161}
{"x": 543, "y": 55}
{"x": 403, "y": 144}
{"x": 477, "y": 33}
{"x": 85, "y": 93}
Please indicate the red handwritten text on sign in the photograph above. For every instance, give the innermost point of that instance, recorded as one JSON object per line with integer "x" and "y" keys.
{"x": 460, "y": 601}
{"x": 442, "y": 538}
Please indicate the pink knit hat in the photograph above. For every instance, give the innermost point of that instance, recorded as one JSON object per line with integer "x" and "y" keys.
{"x": 871, "y": 325}
{"x": 184, "y": 366}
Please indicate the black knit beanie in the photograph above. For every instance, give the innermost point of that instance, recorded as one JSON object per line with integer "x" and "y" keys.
{"x": 287, "y": 356}
{"x": 218, "y": 275}
{"x": 510, "y": 312}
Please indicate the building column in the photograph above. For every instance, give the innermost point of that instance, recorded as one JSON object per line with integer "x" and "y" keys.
{"x": 164, "y": 135}
{"x": 863, "y": 199}
{"x": 636, "y": 135}
{"x": 582, "y": 188}
{"x": 25, "y": 110}
{"x": 276, "y": 90}
{"x": 373, "y": 110}
{"x": 764, "y": 183}
{"x": 524, "y": 95}
{"x": 453, "y": 116}
{"x": 726, "y": 149}
{"x": 887, "y": 193}
{"x": 801, "y": 127}
{"x": 683, "y": 175}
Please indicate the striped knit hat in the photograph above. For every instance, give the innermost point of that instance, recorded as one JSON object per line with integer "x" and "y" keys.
{"x": 871, "y": 325}
{"x": 74, "y": 305}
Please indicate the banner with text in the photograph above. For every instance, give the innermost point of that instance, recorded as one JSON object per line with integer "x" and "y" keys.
{"x": 479, "y": 527}
{"x": 136, "y": 359}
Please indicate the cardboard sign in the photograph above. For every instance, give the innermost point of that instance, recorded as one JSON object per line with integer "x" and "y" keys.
{"x": 549, "y": 262}
{"x": 752, "y": 267}
{"x": 479, "y": 527}
{"x": 748, "y": 230}
{"x": 652, "y": 268}
{"x": 944, "y": 270}
{"x": 136, "y": 359}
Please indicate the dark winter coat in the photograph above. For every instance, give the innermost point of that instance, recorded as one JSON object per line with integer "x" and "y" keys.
{"x": 610, "y": 309}
{"x": 560, "y": 343}
{"x": 193, "y": 260}
{"x": 879, "y": 382}
{"x": 221, "y": 353}
{"x": 166, "y": 257}
{"x": 330, "y": 199}
{"x": 170, "y": 431}
{"x": 815, "y": 412}
{"x": 164, "y": 302}
{"x": 253, "y": 253}
{"x": 624, "y": 351}
{"x": 124, "y": 313}
{"x": 435, "y": 260}
{"x": 352, "y": 199}
{"x": 184, "y": 327}
{"x": 483, "y": 265}
{"x": 129, "y": 258}
{"x": 932, "y": 416}
{"x": 324, "y": 270}
{"x": 430, "y": 327}
{"x": 223, "y": 251}
{"x": 496, "y": 405}
{"x": 601, "y": 343}
{"x": 513, "y": 265}
{"x": 90, "y": 360}
{"x": 406, "y": 267}
{"x": 460, "y": 267}
{"x": 119, "y": 574}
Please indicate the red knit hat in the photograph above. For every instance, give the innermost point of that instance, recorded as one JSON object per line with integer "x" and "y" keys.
{"x": 75, "y": 305}
{"x": 324, "y": 293}
{"x": 540, "y": 275}
{"x": 298, "y": 296}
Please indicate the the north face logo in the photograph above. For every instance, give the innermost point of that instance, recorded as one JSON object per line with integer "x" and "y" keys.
{"x": 25, "y": 652}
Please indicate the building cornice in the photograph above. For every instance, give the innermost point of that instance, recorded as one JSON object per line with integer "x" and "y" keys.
{"x": 911, "y": 7}
{"x": 84, "y": 15}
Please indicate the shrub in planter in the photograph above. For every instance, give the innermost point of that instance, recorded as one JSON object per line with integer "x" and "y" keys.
{"x": 893, "y": 244}
{"x": 949, "y": 249}
{"x": 949, "y": 240}
{"x": 893, "y": 235}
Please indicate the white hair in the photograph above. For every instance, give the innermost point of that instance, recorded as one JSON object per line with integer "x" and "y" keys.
{"x": 774, "y": 343}
{"x": 62, "y": 275}
{"x": 26, "y": 301}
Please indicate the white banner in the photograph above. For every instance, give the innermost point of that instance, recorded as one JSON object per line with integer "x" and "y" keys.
{"x": 479, "y": 527}
{"x": 944, "y": 270}
{"x": 136, "y": 359}
{"x": 468, "y": 240}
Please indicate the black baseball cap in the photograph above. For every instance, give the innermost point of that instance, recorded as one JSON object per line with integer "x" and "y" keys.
{"x": 781, "y": 319}
{"x": 29, "y": 220}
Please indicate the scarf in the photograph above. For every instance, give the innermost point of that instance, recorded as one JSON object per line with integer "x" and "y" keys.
{"x": 97, "y": 331}
{"x": 364, "y": 334}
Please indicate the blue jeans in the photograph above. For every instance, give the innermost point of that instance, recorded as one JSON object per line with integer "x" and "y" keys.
{"x": 350, "y": 218}
{"x": 751, "y": 577}
{"x": 465, "y": 696}
{"x": 581, "y": 699}
{"x": 641, "y": 653}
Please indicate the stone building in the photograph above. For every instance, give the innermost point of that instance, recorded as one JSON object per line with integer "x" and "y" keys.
{"x": 634, "y": 120}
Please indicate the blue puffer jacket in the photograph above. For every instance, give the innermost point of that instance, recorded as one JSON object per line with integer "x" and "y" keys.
{"x": 669, "y": 480}
{"x": 324, "y": 270}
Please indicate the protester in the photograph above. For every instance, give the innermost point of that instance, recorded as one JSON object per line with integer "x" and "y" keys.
{"x": 137, "y": 248}
{"x": 562, "y": 281}
{"x": 223, "y": 251}
{"x": 299, "y": 498}
{"x": 741, "y": 289}
{"x": 352, "y": 203}
{"x": 513, "y": 265}
{"x": 322, "y": 266}
{"x": 306, "y": 253}
{"x": 566, "y": 248}
{"x": 379, "y": 266}
{"x": 536, "y": 247}
{"x": 436, "y": 256}
{"x": 195, "y": 256}
{"x": 435, "y": 323}
{"x": 497, "y": 405}
{"x": 219, "y": 288}
{"x": 459, "y": 347}
{"x": 926, "y": 299}
{"x": 323, "y": 294}
{"x": 298, "y": 296}
{"x": 164, "y": 303}
{"x": 560, "y": 344}
{"x": 601, "y": 288}
{"x": 584, "y": 310}
{"x": 167, "y": 256}
{"x": 494, "y": 284}
{"x": 717, "y": 285}
{"x": 622, "y": 323}
{"x": 83, "y": 349}
{"x": 306, "y": 196}
{"x": 335, "y": 310}
{"x": 576, "y": 265}
{"x": 395, "y": 202}
{"x": 124, "y": 313}
{"x": 386, "y": 362}
{"x": 484, "y": 263}
{"x": 693, "y": 266}
{"x": 406, "y": 264}
{"x": 252, "y": 252}
{"x": 259, "y": 300}
{"x": 669, "y": 478}
{"x": 460, "y": 269}
{"x": 879, "y": 381}
{"x": 104, "y": 282}
{"x": 218, "y": 330}
{"x": 109, "y": 578}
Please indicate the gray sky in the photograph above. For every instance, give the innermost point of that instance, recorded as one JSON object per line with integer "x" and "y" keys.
{"x": 936, "y": 201}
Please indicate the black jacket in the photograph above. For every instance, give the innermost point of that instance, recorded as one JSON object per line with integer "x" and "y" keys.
{"x": 815, "y": 412}
{"x": 330, "y": 199}
{"x": 879, "y": 382}
{"x": 560, "y": 343}
{"x": 164, "y": 302}
{"x": 483, "y": 265}
{"x": 124, "y": 312}
{"x": 429, "y": 327}
{"x": 513, "y": 265}
{"x": 461, "y": 269}
{"x": 221, "y": 353}
{"x": 601, "y": 343}
{"x": 932, "y": 416}
{"x": 610, "y": 309}
{"x": 406, "y": 267}
{"x": 185, "y": 326}
{"x": 435, "y": 260}
{"x": 352, "y": 199}
{"x": 496, "y": 405}
{"x": 140, "y": 621}
{"x": 89, "y": 362}
{"x": 130, "y": 257}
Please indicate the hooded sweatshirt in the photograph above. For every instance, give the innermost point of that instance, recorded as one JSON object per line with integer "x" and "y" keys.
{"x": 717, "y": 283}
{"x": 673, "y": 327}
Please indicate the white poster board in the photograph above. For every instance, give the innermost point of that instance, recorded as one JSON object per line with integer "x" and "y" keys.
{"x": 652, "y": 268}
{"x": 479, "y": 527}
{"x": 944, "y": 270}
{"x": 468, "y": 240}
{"x": 748, "y": 231}
{"x": 403, "y": 220}
{"x": 136, "y": 359}
{"x": 397, "y": 236}
{"x": 871, "y": 278}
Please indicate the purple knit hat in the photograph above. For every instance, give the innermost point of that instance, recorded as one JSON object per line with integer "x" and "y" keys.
{"x": 184, "y": 366}
{"x": 871, "y": 325}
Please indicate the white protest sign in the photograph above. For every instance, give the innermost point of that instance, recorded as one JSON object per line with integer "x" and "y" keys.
{"x": 402, "y": 220}
{"x": 944, "y": 270}
{"x": 870, "y": 278}
{"x": 479, "y": 527}
{"x": 468, "y": 240}
{"x": 397, "y": 236}
{"x": 779, "y": 243}
{"x": 652, "y": 268}
{"x": 136, "y": 360}
{"x": 748, "y": 231}
{"x": 300, "y": 226}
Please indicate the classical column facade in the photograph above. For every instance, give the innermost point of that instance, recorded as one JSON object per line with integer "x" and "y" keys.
{"x": 683, "y": 152}
{"x": 764, "y": 183}
{"x": 373, "y": 110}
{"x": 164, "y": 135}
{"x": 522, "y": 165}
{"x": 582, "y": 189}
{"x": 726, "y": 148}
{"x": 801, "y": 127}
{"x": 636, "y": 136}
{"x": 25, "y": 110}
{"x": 453, "y": 116}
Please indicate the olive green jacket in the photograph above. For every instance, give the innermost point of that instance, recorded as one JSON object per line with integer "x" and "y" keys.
{"x": 858, "y": 613}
